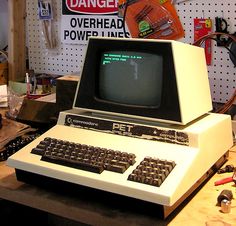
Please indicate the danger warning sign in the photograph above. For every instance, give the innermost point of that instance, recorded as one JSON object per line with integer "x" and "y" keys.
{"x": 84, "y": 18}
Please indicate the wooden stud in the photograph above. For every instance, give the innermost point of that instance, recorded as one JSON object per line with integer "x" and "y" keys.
{"x": 16, "y": 40}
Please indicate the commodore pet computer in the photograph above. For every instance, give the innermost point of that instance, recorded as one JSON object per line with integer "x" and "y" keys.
{"x": 140, "y": 126}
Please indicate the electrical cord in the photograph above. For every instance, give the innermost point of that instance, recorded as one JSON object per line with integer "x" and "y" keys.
{"x": 228, "y": 104}
{"x": 226, "y": 47}
{"x": 205, "y": 37}
{"x": 199, "y": 42}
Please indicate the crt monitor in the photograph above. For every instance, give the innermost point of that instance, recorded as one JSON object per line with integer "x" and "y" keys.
{"x": 144, "y": 79}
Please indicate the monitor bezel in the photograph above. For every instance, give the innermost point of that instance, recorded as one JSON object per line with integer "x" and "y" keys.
{"x": 86, "y": 97}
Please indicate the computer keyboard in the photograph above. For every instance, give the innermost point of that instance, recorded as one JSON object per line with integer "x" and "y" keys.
{"x": 15, "y": 145}
{"x": 151, "y": 171}
{"x": 82, "y": 156}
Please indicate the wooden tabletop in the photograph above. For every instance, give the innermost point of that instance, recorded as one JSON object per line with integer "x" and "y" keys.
{"x": 202, "y": 209}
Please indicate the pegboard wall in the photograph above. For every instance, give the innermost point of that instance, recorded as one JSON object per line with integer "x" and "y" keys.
{"x": 68, "y": 59}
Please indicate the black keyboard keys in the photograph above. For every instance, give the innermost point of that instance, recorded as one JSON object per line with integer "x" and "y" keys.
{"x": 152, "y": 171}
{"x": 81, "y": 156}
{"x": 41, "y": 147}
{"x": 74, "y": 163}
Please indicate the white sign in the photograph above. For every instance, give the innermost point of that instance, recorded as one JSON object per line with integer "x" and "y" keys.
{"x": 84, "y": 18}
{"x": 75, "y": 29}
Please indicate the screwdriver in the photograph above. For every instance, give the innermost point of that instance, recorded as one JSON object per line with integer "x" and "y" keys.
{"x": 226, "y": 180}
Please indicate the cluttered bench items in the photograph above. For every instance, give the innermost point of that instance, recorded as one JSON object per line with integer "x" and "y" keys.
{"x": 24, "y": 118}
{"x": 13, "y": 136}
{"x": 15, "y": 133}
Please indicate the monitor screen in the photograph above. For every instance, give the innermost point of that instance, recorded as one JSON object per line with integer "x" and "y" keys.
{"x": 145, "y": 79}
{"x": 131, "y": 78}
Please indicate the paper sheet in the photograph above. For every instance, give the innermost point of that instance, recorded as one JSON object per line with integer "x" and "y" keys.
{"x": 3, "y": 96}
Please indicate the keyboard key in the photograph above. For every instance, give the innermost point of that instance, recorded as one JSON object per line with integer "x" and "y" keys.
{"x": 38, "y": 151}
{"x": 116, "y": 168}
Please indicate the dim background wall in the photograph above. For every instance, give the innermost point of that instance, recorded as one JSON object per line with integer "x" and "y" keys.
{"x": 3, "y": 23}
{"x": 70, "y": 57}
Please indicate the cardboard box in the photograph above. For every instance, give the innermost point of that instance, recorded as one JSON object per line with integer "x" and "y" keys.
{"x": 65, "y": 91}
